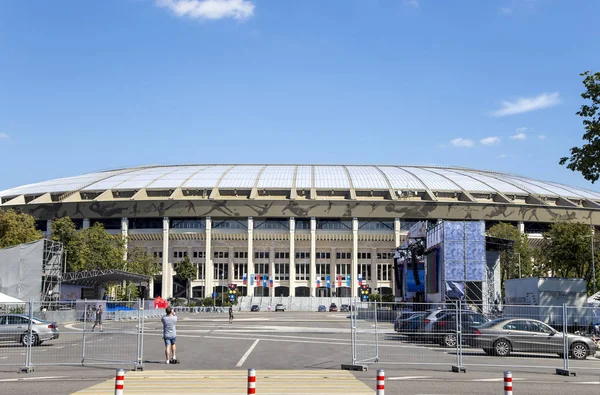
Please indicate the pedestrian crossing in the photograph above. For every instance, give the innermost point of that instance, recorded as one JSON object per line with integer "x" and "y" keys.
{"x": 209, "y": 382}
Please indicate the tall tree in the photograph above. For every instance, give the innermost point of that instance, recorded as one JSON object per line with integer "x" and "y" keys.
{"x": 97, "y": 250}
{"x": 140, "y": 261}
{"x": 586, "y": 159}
{"x": 186, "y": 271}
{"x": 17, "y": 229}
{"x": 64, "y": 231}
{"x": 567, "y": 251}
{"x": 520, "y": 256}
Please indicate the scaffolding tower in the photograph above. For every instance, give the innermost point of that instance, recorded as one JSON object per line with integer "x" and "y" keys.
{"x": 52, "y": 271}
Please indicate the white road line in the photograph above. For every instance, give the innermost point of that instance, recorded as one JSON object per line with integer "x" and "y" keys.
{"x": 589, "y": 382}
{"x": 33, "y": 378}
{"x": 247, "y": 354}
{"x": 498, "y": 379}
{"x": 408, "y": 377}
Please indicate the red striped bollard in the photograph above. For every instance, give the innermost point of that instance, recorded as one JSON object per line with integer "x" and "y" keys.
{"x": 508, "y": 383}
{"x": 380, "y": 382}
{"x": 251, "y": 381}
{"x": 119, "y": 382}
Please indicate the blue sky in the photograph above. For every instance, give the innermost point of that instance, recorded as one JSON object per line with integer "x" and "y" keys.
{"x": 95, "y": 85}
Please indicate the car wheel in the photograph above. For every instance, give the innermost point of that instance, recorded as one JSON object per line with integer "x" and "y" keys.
{"x": 29, "y": 341}
{"x": 579, "y": 351}
{"x": 502, "y": 347}
{"x": 449, "y": 340}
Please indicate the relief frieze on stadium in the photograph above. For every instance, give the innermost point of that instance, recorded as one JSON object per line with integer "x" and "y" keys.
{"x": 303, "y": 209}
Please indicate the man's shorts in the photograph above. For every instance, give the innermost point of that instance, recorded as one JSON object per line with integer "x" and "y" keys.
{"x": 169, "y": 340}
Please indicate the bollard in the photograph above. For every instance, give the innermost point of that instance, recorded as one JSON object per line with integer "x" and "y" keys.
{"x": 380, "y": 382}
{"x": 251, "y": 381}
{"x": 508, "y": 383}
{"x": 119, "y": 382}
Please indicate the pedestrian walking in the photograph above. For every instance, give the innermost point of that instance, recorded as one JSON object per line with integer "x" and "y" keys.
{"x": 230, "y": 314}
{"x": 98, "y": 319}
{"x": 170, "y": 335}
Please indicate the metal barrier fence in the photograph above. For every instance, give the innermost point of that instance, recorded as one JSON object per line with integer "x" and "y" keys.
{"x": 561, "y": 338}
{"x": 29, "y": 337}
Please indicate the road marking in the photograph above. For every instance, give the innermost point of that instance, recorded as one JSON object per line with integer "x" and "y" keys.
{"x": 589, "y": 382}
{"x": 498, "y": 379}
{"x": 243, "y": 359}
{"x": 32, "y": 378}
{"x": 408, "y": 377}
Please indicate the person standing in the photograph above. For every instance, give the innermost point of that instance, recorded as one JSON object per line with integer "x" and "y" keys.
{"x": 230, "y": 314}
{"x": 98, "y": 320}
{"x": 169, "y": 334}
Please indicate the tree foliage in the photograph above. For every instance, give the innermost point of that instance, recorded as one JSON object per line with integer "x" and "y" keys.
{"x": 17, "y": 229}
{"x": 185, "y": 269}
{"x": 567, "y": 251}
{"x": 521, "y": 254}
{"x": 140, "y": 261}
{"x": 586, "y": 159}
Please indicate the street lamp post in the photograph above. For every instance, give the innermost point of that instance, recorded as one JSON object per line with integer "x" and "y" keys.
{"x": 221, "y": 284}
{"x": 593, "y": 263}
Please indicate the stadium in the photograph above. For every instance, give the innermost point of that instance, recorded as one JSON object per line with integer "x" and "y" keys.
{"x": 292, "y": 230}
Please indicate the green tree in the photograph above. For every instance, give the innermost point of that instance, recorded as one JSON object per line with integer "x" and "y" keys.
{"x": 567, "y": 251}
{"x": 17, "y": 229}
{"x": 141, "y": 262}
{"x": 519, "y": 256}
{"x": 586, "y": 159}
{"x": 64, "y": 231}
{"x": 97, "y": 250}
{"x": 186, "y": 271}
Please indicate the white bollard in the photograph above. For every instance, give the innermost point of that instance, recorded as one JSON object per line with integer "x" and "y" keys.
{"x": 380, "y": 382}
{"x": 251, "y": 381}
{"x": 508, "y": 383}
{"x": 119, "y": 382}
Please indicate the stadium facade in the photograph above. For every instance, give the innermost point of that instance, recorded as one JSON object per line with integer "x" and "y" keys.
{"x": 297, "y": 230}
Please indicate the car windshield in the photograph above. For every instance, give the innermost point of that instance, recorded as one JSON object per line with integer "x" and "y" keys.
{"x": 492, "y": 323}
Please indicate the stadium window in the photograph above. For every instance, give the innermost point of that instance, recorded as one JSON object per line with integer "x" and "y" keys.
{"x": 157, "y": 254}
{"x": 365, "y": 271}
{"x": 385, "y": 255}
{"x": 221, "y": 254}
{"x": 384, "y": 272}
{"x": 199, "y": 254}
{"x": 303, "y": 255}
{"x": 240, "y": 255}
{"x": 261, "y": 255}
{"x": 364, "y": 255}
{"x": 282, "y": 255}
{"x": 179, "y": 254}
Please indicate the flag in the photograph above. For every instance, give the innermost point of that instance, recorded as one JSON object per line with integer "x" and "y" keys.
{"x": 359, "y": 280}
{"x": 328, "y": 281}
{"x": 318, "y": 282}
{"x": 339, "y": 278}
{"x": 244, "y": 281}
{"x": 348, "y": 281}
{"x": 271, "y": 282}
{"x": 252, "y": 279}
{"x": 264, "y": 281}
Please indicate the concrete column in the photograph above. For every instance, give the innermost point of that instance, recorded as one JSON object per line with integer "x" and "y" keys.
{"x": 230, "y": 269}
{"x": 354, "y": 266}
{"x": 271, "y": 271}
{"x": 397, "y": 228}
{"x": 208, "y": 260}
{"x": 521, "y": 226}
{"x": 151, "y": 288}
{"x": 374, "y": 281}
{"x": 86, "y": 223}
{"x": 251, "y": 255}
{"x": 125, "y": 235}
{"x": 48, "y": 228}
{"x": 292, "y": 256}
{"x": 313, "y": 256}
{"x": 333, "y": 271}
{"x": 167, "y": 276}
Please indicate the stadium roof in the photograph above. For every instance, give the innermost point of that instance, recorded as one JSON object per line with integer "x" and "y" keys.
{"x": 397, "y": 180}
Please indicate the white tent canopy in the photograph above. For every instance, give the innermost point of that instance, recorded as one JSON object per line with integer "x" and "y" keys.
{"x": 4, "y": 298}
{"x": 594, "y": 299}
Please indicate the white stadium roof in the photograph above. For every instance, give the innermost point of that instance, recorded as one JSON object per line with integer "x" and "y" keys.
{"x": 317, "y": 177}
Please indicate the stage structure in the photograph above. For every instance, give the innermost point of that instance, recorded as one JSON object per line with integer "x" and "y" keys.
{"x": 409, "y": 270}
{"x": 32, "y": 271}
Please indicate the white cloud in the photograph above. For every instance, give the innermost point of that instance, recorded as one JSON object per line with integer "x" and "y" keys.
{"x": 521, "y": 130}
{"x": 460, "y": 142}
{"x": 542, "y": 137}
{"x": 412, "y": 3}
{"x": 525, "y": 104}
{"x": 519, "y": 136}
{"x": 209, "y": 9}
{"x": 3, "y": 135}
{"x": 490, "y": 140}
{"x": 506, "y": 10}
{"x": 501, "y": 156}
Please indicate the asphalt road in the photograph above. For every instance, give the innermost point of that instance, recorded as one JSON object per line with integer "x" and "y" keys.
{"x": 289, "y": 340}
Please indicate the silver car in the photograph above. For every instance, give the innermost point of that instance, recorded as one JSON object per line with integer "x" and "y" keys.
{"x": 505, "y": 335}
{"x": 15, "y": 328}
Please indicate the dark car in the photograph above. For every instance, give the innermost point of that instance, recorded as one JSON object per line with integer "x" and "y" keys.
{"x": 445, "y": 328}
{"x": 322, "y": 308}
{"x": 255, "y": 307}
{"x": 15, "y": 327}
{"x": 410, "y": 323}
{"x": 504, "y": 335}
{"x": 333, "y": 307}
{"x": 345, "y": 307}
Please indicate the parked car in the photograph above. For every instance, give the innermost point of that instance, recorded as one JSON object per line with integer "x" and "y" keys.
{"x": 333, "y": 307}
{"x": 15, "y": 327}
{"x": 435, "y": 315}
{"x": 444, "y": 329}
{"x": 279, "y": 307}
{"x": 504, "y": 335}
{"x": 322, "y": 308}
{"x": 255, "y": 307}
{"x": 410, "y": 323}
{"x": 345, "y": 307}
